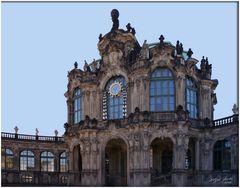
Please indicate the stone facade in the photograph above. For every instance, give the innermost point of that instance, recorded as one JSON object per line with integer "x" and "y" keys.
{"x": 144, "y": 147}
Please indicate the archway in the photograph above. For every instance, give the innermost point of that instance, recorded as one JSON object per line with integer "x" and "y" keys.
{"x": 161, "y": 163}
{"x": 116, "y": 163}
{"x": 77, "y": 164}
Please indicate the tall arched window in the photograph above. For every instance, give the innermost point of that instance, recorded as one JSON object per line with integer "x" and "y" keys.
{"x": 63, "y": 162}
{"x": 77, "y": 106}
{"x": 26, "y": 160}
{"x": 222, "y": 155}
{"x": 162, "y": 91}
{"x": 47, "y": 161}
{"x": 191, "y": 98}
{"x": 7, "y": 158}
{"x": 114, "y": 99}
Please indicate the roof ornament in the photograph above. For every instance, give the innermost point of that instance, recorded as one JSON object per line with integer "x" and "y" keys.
{"x": 100, "y": 37}
{"x": 16, "y": 129}
{"x": 115, "y": 15}
{"x": 179, "y": 48}
{"x": 235, "y": 109}
{"x": 56, "y": 133}
{"x": 202, "y": 66}
{"x": 128, "y": 26}
{"x": 161, "y": 38}
{"x": 144, "y": 53}
{"x": 133, "y": 31}
{"x": 75, "y": 65}
{"x": 86, "y": 67}
{"x": 37, "y": 132}
{"x": 94, "y": 65}
{"x": 189, "y": 53}
{"x": 130, "y": 29}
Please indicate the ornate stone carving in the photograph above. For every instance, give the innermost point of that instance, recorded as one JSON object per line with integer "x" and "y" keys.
{"x": 181, "y": 114}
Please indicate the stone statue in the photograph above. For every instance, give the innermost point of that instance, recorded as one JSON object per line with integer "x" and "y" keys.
{"x": 86, "y": 67}
{"x": 100, "y": 37}
{"x": 179, "y": 48}
{"x": 94, "y": 65}
{"x": 235, "y": 109}
{"x": 56, "y": 133}
{"x": 37, "y": 131}
{"x": 16, "y": 129}
{"x": 75, "y": 65}
{"x": 128, "y": 26}
{"x": 144, "y": 53}
{"x": 202, "y": 66}
{"x": 161, "y": 38}
{"x": 189, "y": 53}
{"x": 133, "y": 31}
{"x": 115, "y": 15}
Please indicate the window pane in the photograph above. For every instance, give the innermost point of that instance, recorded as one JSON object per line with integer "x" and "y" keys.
{"x": 162, "y": 79}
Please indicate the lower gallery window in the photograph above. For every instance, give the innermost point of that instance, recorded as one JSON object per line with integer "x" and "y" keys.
{"x": 7, "y": 158}
{"x": 47, "y": 161}
{"x": 26, "y": 160}
{"x": 63, "y": 162}
{"x": 27, "y": 178}
{"x": 222, "y": 155}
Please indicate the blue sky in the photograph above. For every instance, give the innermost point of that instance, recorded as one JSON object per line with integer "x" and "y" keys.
{"x": 41, "y": 42}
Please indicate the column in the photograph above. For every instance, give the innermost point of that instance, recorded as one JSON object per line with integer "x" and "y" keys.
{"x": 179, "y": 175}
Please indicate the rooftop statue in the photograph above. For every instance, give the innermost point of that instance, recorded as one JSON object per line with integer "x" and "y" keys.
{"x": 75, "y": 65}
{"x": 179, "y": 48}
{"x": 86, "y": 67}
{"x": 100, "y": 37}
{"x": 189, "y": 53}
{"x": 115, "y": 15}
{"x": 161, "y": 38}
{"x": 133, "y": 31}
{"x": 144, "y": 53}
{"x": 128, "y": 26}
{"x": 202, "y": 66}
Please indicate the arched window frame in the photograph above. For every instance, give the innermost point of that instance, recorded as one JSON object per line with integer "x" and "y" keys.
{"x": 77, "y": 106}
{"x": 115, "y": 106}
{"x": 63, "y": 162}
{"x": 7, "y": 158}
{"x": 48, "y": 157}
{"x": 191, "y": 98}
{"x": 27, "y": 160}
{"x": 222, "y": 155}
{"x": 162, "y": 90}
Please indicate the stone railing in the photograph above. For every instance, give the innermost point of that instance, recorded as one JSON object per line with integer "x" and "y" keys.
{"x": 34, "y": 178}
{"x": 226, "y": 121}
{"x": 5, "y": 135}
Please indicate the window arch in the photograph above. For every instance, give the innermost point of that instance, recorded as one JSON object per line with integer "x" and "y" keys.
{"x": 77, "y": 106}
{"x": 26, "y": 160}
{"x": 162, "y": 90}
{"x": 222, "y": 155}
{"x": 114, "y": 99}
{"x": 191, "y": 98}
{"x": 47, "y": 161}
{"x": 63, "y": 162}
{"x": 7, "y": 158}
